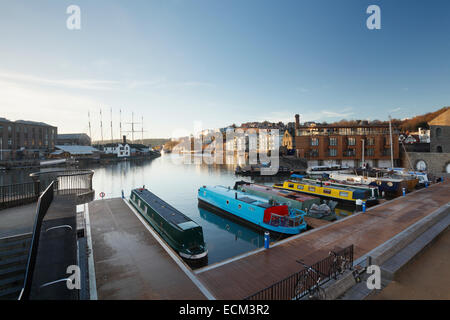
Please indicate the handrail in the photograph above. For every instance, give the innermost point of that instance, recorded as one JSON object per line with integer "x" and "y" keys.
{"x": 44, "y": 202}
{"x": 298, "y": 284}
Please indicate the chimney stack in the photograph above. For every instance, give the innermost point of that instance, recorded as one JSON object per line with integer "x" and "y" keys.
{"x": 124, "y": 140}
{"x": 297, "y": 121}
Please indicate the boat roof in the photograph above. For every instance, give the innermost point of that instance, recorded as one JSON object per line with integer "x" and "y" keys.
{"x": 164, "y": 209}
{"x": 317, "y": 184}
{"x": 275, "y": 191}
{"x": 242, "y": 196}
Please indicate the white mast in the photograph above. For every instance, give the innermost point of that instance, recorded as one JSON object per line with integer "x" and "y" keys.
{"x": 101, "y": 124}
{"x": 112, "y": 140}
{"x": 142, "y": 130}
{"x": 90, "y": 131}
{"x": 390, "y": 134}
{"x": 132, "y": 127}
{"x": 120, "y": 122}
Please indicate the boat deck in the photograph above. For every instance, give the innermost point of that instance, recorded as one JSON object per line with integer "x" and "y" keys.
{"x": 164, "y": 209}
{"x": 245, "y": 275}
{"x": 129, "y": 261}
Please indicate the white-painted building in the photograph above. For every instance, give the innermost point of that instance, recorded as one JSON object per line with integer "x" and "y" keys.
{"x": 121, "y": 150}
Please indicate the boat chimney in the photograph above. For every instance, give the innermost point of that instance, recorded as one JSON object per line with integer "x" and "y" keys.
{"x": 124, "y": 138}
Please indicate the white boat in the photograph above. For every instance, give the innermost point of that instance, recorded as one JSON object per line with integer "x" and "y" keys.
{"x": 320, "y": 170}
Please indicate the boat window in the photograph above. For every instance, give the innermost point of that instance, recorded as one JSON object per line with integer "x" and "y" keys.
{"x": 327, "y": 191}
{"x": 311, "y": 188}
{"x": 228, "y": 202}
{"x": 300, "y": 187}
{"x": 290, "y": 185}
{"x": 239, "y": 206}
{"x": 251, "y": 209}
{"x": 343, "y": 194}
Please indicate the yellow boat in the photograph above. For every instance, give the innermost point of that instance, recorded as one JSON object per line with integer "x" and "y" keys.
{"x": 325, "y": 189}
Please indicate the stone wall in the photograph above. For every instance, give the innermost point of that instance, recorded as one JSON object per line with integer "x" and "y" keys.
{"x": 437, "y": 163}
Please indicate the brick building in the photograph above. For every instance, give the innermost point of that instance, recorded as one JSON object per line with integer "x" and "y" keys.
{"x": 25, "y": 139}
{"x": 342, "y": 144}
{"x": 440, "y": 133}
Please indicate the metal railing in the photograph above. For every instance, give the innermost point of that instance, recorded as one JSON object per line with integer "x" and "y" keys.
{"x": 43, "y": 204}
{"x": 65, "y": 182}
{"x": 17, "y": 194}
{"x": 299, "y": 284}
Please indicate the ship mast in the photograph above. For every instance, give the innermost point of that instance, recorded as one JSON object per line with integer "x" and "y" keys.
{"x": 390, "y": 134}
{"x": 112, "y": 140}
{"x": 90, "y": 131}
{"x": 101, "y": 124}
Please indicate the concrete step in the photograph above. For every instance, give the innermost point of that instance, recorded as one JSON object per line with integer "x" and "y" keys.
{"x": 18, "y": 237}
{"x": 23, "y": 243}
{"x": 11, "y": 293}
{"x": 10, "y": 282}
{"x": 12, "y": 271}
{"x": 5, "y": 255}
{"x": 13, "y": 261}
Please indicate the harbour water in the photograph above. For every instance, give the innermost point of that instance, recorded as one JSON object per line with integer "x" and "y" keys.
{"x": 177, "y": 183}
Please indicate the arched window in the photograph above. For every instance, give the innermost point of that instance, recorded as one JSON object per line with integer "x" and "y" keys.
{"x": 421, "y": 165}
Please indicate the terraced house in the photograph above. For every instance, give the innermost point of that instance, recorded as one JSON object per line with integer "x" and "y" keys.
{"x": 25, "y": 139}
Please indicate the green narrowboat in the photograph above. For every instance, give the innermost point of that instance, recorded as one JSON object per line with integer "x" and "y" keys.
{"x": 183, "y": 234}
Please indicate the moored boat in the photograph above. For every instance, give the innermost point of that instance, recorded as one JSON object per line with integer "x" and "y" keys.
{"x": 259, "y": 212}
{"x": 319, "y": 188}
{"x": 326, "y": 170}
{"x": 312, "y": 205}
{"x": 183, "y": 234}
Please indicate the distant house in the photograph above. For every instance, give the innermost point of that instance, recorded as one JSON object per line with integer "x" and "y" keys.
{"x": 71, "y": 151}
{"x": 119, "y": 149}
{"x": 288, "y": 140}
{"x": 79, "y": 139}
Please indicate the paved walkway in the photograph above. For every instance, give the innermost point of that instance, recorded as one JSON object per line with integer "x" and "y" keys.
{"x": 129, "y": 261}
{"x": 426, "y": 277}
{"x": 241, "y": 277}
{"x": 17, "y": 220}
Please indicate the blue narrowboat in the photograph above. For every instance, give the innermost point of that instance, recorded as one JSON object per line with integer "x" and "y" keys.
{"x": 183, "y": 234}
{"x": 259, "y": 212}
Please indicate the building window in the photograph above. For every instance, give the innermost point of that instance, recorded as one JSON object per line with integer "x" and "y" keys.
{"x": 370, "y": 152}
{"x": 371, "y": 141}
{"x": 351, "y": 141}
{"x": 438, "y": 132}
{"x": 333, "y": 141}
{"x": 439, "y": 149}
{"x": 349, "y": 153}
{"x": 314, "y": 141}
{"x": 332, "y": 152}
{"x": 314, "y": 153}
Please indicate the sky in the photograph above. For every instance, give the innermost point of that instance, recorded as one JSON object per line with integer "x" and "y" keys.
{"x": 178, "y": 63}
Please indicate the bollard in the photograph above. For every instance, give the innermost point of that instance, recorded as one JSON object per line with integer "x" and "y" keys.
{"x": 123, "y": 195}
{"x": 426, "y": 184}
{"x": 364, "y": 206}
{"x": 404, "y": 191}
{"x": 266, "y": 240}
{"x": 358, "y": 204}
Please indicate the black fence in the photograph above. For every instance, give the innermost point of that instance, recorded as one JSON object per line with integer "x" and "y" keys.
{"x": 65, "y": 182}
{"x": 309, "y": 279}
{"x": 18, "y": 194}
{"x": 43, "y": 204}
